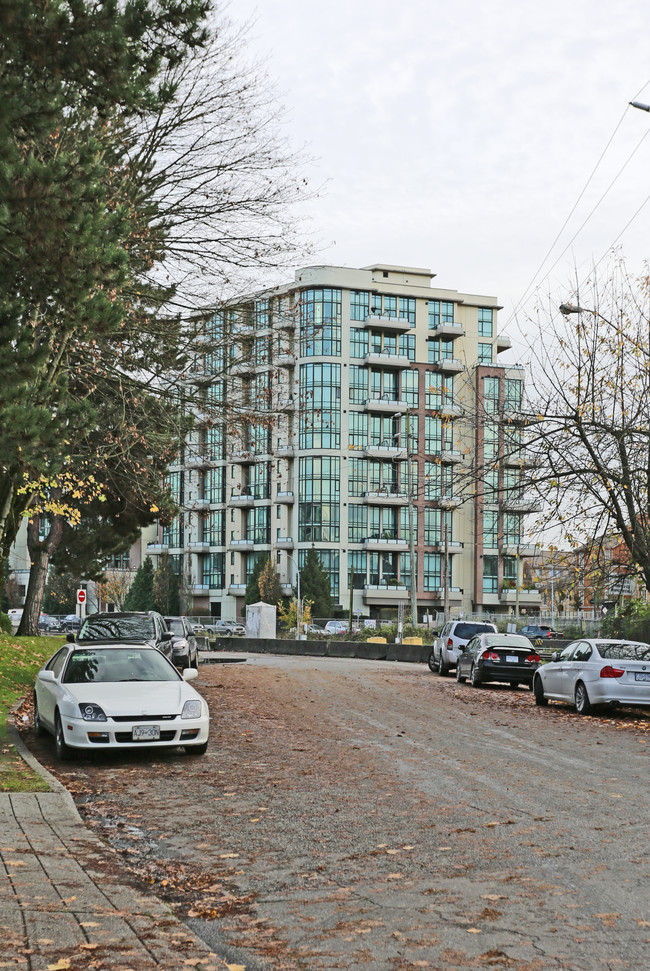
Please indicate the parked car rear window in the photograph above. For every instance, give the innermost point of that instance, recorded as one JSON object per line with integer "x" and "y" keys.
{"x": 468, "y": 630}
{"x": 117, "y": 629}
{"x": 625, "y": 652}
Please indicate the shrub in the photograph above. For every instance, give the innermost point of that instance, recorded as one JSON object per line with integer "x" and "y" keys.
{"x": 5, "y": 624}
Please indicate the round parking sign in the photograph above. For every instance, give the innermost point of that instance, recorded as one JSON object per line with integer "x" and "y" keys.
{"x": 81, "y": 596}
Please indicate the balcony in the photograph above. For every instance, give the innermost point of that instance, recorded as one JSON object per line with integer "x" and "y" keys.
{"x": 242, "y": 457}
{"x": 199, "y": 546}
{"x": 385, "y": 450}
{"x": 386, "y": 359}
{"x": 237, "y": 589}
{"x": 379, "y": 322}
{"x": 448, "y": 456}
{"x": 388, "y": 543}
{"x": 157, "y": 548}
{"x": 448, "y": 328}
{"x": 449, "y": 365}
{"x": 525, "y": 598}
{"x": 453, "y": 594}
{"x": 515, "y": 416}
{"x": 285, "y": 322}
{"x": 200, "y": 589}
{"x": 286, "y": 589}
{"x": 503, "y": 343}
{"x": 522, "y": 459}
{"x": 197, "y": 505}
{"x": 241, "y": 545}
{"x": 519, "y": 504}
{"x": 446, "y": 502}
{"x": 284, "y": 543}
{"x": 453, "y": 546}
{"x": 285, "y": 498}
{"x": 385, "y": 593}
{"x": 287, "y": 404}
{"x": 242, "y": 500}
{"x": 243, "y": 367}
{"x": 286, "y": 360}
{"x": 385, "y": 497}
{"x": 447, "y": 409}
{"x": 285, "y": 452}
{"x": 196, "y": 375}
{"x": 385, "y": 404}
{"x": 520, "y": 549}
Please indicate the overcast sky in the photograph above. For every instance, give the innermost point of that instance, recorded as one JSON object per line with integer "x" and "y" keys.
{"x": 458, "y": 136}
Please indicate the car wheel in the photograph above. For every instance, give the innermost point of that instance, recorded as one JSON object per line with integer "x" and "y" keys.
{"x": 538, "y": 689}
{"x": 39, "y": 729}
{"x": 431, "y": 661}
{"x": 460, "y": 677}
{"x": 63, "y": 752}
{"x": 196, "y": 749}
{"x": 443, "y": 669}
{"x": 582, "y": 703}
{"x": 475, "y": 678}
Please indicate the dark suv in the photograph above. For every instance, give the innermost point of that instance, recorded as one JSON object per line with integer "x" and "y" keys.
{"x": 185, "y": 648}
{"x": 128, "y": 628}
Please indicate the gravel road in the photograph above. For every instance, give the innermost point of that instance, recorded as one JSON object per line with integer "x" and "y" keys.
{"x": 371, "y": 815}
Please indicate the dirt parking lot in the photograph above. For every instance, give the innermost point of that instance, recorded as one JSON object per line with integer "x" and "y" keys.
{"x": 371, "y": 815}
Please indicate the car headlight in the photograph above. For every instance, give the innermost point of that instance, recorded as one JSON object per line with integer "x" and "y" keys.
{"x": 92, "y": 713}
{"x": 191, "y": 709}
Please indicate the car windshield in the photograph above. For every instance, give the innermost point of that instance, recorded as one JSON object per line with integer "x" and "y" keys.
{"x": 131, "y": 664}
{"x": 115, "y": 628}
{"x": 468, "y": 630}
{"x": 629, "y": 651}
{"x": 510, "y": 640}
{"x": 175, "y": 625}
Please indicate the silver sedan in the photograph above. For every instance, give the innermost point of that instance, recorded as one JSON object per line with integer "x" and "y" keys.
{"x": 594, "y": 672}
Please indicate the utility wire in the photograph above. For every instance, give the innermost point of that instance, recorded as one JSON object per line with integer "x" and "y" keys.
{"x": 575, "y": 205}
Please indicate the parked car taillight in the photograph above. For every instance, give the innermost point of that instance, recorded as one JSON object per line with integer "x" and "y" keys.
{"x": 490, "y": 656}
{"x": 609, "y": 672}
{"x": 533, "y": 659}
{"x": 450, "y": 643}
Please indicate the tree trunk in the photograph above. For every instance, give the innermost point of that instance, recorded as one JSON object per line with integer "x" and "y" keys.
{"x": 39, "y": 556}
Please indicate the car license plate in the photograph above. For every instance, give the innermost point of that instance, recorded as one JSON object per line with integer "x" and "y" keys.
{"x": 512, "y": 658}
{"x": 641, "y": 676}
{"x": 146, "y": 733}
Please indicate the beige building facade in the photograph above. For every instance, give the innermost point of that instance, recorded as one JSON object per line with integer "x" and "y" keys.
{"x": 365, "y": 413}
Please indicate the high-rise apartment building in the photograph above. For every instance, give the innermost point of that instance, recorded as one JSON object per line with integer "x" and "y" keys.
{"x": 364, "y": 413}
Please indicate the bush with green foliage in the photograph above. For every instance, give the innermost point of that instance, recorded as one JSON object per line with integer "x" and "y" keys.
{"x": 141, "y": 595}
{"x": 632, "y": 622}
{"x": 5, "y": 624}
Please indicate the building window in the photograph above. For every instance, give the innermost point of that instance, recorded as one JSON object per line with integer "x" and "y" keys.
{"x": 319, "y": 495}
{"x": 432, "y": 571}
{"x": 513, "y": 394}
{"x": 320, "y": 323}
{"x": 357, "y": 566}
{"x": 410, "y": 388}
{"x": 357, "y": 477}
{"x": 214, "y": 527}
{"x": 439, "y": 390}
{"x": 320, "y": 406}
{"x": 358, "y": 384}
{"x": 490, "y": 574}
{"x": 490, "y": 528}
{"x": 484, "y": 353}
{"x": 510, "y": 570}
{"x": 491, "y": 395}
{"x": 173, "y": 533}
{"x": 440, "y": 312}
{"x": 357, "y": 430}
{"x": 407, "y": 309}
{"x": 214, "y": 575}
{"x": 359, "y": 304}
{"x": 485, "y": 322}
{"x": 358, "y": 342}
{"x": 438, "y": 435}
{"x": 433, "y": 523}
{"x": 258, "y": 524}
{"x": 511, "y": 529}
{"x": 490, "y": 441}
{"x": 357, "y": 523}
{"x": 329, "y": 560}
{"x": 491, "y": 486}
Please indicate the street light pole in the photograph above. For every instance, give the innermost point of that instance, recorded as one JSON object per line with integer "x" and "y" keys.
{"x": 409, "y": 481}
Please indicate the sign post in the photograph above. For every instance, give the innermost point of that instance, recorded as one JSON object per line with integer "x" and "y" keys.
{"x": 81, "y": 603}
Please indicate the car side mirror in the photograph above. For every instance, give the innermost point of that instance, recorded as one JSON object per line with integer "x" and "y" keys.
{"x": 461, "y": 648}
{"x": 167, "y": 635}
{"x": 46, "y": 676}
{"x": 555, "y": 656}
{"x": 70, "y": 638}
{"x": 189, "y": 674}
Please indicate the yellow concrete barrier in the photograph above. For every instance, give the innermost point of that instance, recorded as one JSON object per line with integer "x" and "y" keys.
{"x": 411, "y": 640}
{"x": 376, "y": 640}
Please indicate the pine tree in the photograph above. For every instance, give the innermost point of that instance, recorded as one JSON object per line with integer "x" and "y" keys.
{"x": 253, "y": 595}
{"x": 315, "y": 585}
{"x": 165, "y": 588}
{"x": 269, "y": 584}
{"x": 141, "y": 596}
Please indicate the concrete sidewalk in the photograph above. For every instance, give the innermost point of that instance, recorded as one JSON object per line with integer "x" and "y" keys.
{"x": 61, "y": 905}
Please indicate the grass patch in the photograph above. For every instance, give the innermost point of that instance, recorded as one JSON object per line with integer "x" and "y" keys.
{"x": 20, "y": 659}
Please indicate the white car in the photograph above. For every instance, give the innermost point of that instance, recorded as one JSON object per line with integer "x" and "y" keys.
{"x": 336, "y": 627}
{"x": 594, "y": 672}
{"x": 118, "y": 697}
{"x": 454, "y": 635}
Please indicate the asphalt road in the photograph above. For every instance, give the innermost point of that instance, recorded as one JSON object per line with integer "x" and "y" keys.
{"x": 371, "y": 815}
